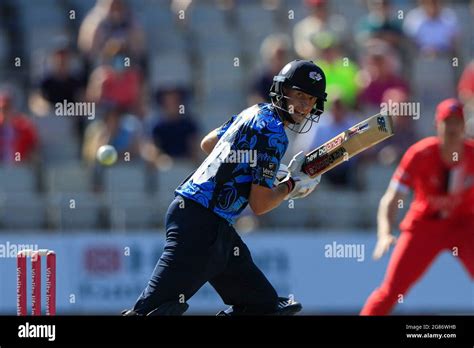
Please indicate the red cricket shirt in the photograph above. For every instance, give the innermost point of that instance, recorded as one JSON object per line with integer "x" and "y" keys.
{"x": 441, "y": 191}
{"x": 24, "y": 138}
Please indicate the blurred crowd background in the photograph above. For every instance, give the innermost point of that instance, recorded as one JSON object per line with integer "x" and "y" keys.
{"x": 163, "y": 73}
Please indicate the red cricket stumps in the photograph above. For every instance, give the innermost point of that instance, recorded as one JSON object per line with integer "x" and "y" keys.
{"x": 36, "y": 281}
{"x": 51, "y": 283}
{"x": 21, "y": 284}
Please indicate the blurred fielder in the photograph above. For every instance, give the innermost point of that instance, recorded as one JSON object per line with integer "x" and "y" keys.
{"x": 243, "y": 159}
{"x": 440, "y": 172}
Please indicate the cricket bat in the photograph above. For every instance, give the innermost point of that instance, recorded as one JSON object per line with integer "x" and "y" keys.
{"x": 353, "y": 141}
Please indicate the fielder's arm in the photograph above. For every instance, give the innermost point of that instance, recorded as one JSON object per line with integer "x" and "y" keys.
{"x": 386, "y": 218}
{"x": 388, "y": 208}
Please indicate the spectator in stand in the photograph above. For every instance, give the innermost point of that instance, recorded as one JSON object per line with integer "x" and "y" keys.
{"x": 275, "y": 51}
{"x": 18, "y": 136}
{"x": 466, "y": 84}
{"x": 123, "y": 131}
{"x": 59, "y": 83}
{"x": 466, "y": 94}
{"x": 319, "y": 22}
{"x": 379, "y": 73}
{"x": 117, "y": 81}
{"x": 433, "y": 28}
{"x": 111, "y": 19}
{"x": 341, "y": 72}
{"x": 379, "y": 23}
{"x": 391, "y": 151}
{"x": 175, "y": 135}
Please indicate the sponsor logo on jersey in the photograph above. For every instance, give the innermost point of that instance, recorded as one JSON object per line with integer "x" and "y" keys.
{"x": 268, "y": 173}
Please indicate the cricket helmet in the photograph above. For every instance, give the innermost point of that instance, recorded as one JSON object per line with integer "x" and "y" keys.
{"x": 305, "y": 76}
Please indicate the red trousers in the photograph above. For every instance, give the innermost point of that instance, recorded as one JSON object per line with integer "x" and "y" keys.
{"x": 414, "y": 252}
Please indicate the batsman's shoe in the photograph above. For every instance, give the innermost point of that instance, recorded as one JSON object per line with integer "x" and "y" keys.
{"x": 167, "y": 308}
{"x": 286, "y": 306}
{"x": 170, "y": 308}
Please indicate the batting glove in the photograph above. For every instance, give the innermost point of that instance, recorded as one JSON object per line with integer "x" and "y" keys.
{"x": 299, "y": 184}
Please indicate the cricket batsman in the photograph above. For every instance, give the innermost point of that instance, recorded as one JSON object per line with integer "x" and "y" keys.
{"x": 440, "y": 172}
{"x": 201, "y": 243}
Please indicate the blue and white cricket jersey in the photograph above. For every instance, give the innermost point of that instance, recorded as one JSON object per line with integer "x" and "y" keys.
{"x": 250, "y": 148}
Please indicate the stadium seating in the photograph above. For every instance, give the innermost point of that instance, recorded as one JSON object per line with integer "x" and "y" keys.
{"x": 29, "y": 199}
{"x": 68, "y": 178}
{"x": 164, "y": 72}
{"x": 17, "y": 179}
{"x": 76, "y": 211}
{"x": 134, "y": 210}
{"x": 124, "y": 178}
{"x": 22, "y": 210}
{"x": 377, "y": 177}
{"x": 168, "y": 180}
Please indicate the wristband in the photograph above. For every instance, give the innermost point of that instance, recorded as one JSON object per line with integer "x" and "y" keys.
{"x": 290, "y": 183}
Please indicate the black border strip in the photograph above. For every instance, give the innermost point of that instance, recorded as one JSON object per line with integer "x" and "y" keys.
{"x": 328, "y": 330}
